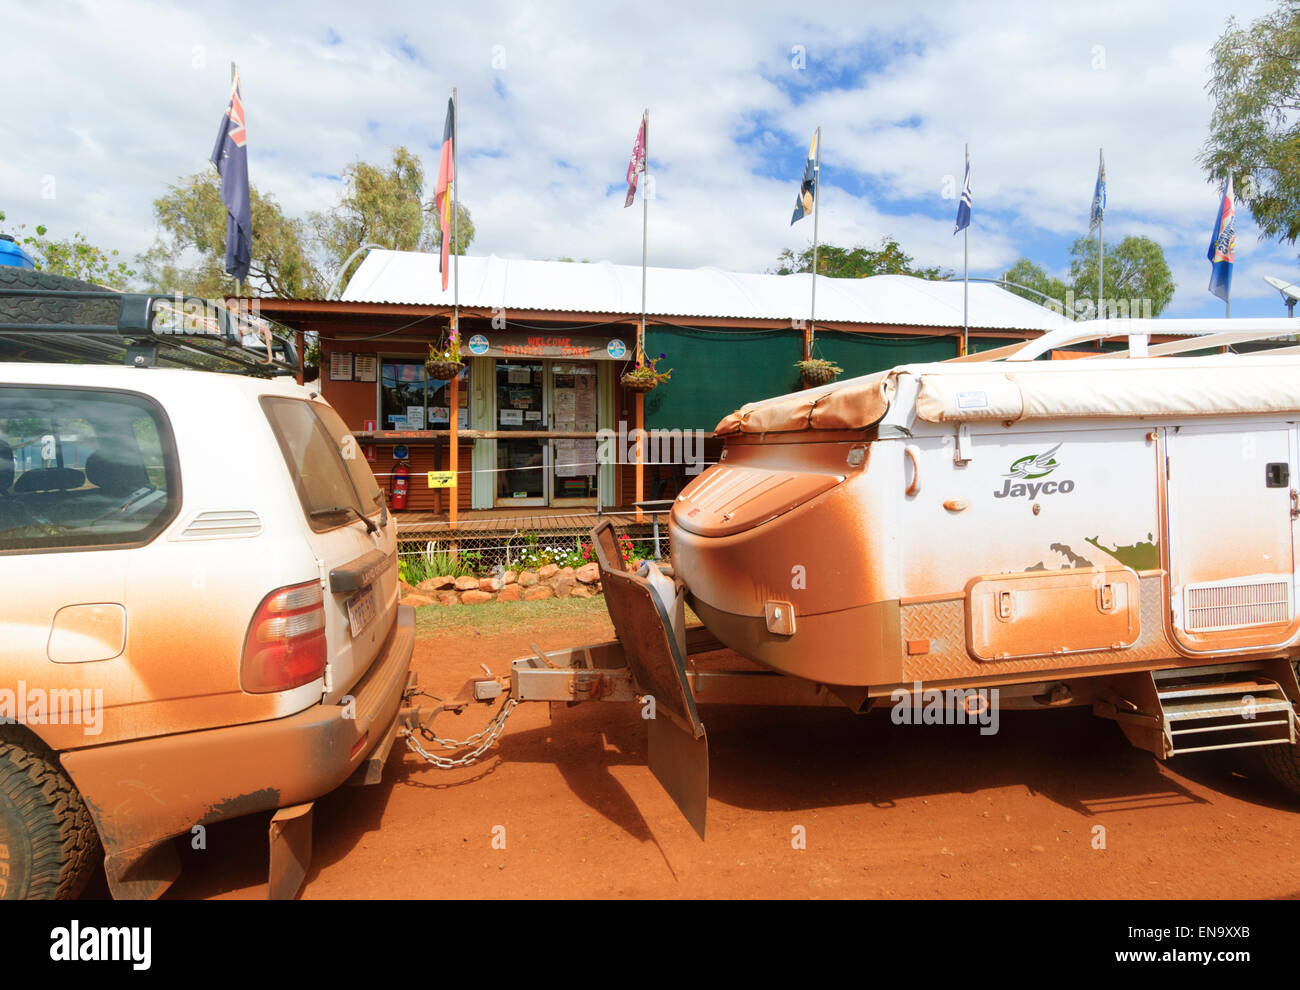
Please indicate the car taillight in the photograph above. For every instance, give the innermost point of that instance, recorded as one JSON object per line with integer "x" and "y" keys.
{"x": 285, "y": 645}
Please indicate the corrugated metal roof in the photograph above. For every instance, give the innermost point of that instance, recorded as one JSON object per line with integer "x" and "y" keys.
{"x": 564, "y": 286}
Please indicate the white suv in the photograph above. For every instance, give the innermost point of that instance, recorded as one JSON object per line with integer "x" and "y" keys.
{"x": 199, "y": 616}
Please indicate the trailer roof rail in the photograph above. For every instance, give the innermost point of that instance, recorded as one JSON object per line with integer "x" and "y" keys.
{"x": 141, "y": 329}
{"x": 1199, "y": 335}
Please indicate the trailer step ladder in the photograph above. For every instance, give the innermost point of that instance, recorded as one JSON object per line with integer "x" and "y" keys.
{"x": 1200, "y": 709}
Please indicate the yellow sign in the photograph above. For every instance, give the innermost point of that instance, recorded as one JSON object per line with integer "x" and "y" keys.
{"x": 442, "y": 479}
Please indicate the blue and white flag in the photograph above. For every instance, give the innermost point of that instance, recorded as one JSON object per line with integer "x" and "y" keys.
{"x": 1098, "y": 194}
{"x": 230, "y": 155}
{"x": 963, "y": 207}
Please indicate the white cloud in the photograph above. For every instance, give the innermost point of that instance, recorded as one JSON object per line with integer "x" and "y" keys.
{"x": 898, "y": 89}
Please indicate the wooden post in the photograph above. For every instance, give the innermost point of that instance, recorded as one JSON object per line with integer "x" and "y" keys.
{"x": 640, "y": 453}
{"x": 453, "y": 455}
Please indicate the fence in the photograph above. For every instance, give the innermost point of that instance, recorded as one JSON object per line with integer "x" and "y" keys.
{"x": 515, "y": 544}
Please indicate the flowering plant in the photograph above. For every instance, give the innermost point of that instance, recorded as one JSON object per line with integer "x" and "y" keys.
{"x": 646, "y": 375}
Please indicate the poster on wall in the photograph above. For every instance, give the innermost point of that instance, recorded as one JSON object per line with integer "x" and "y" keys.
{"x": 341, "y": 366}
{"x": 440, "y": 414}
{"x": 365, "y": 367}
{"x": 512, "y": 417}
{"x": 415, "y": 417}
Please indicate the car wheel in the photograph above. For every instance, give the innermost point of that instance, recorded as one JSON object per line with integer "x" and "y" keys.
{"x": 48, "y": 843}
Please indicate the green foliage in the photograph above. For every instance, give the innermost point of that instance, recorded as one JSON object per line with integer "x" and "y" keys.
{"x": 1135, "y": 269}
{"x": 437, "y": 561}
{"x": 1025, "y": 272}
{"x": 384, "y": 206}
{"x": 75, "y": 257}
{"x": 293, "y": 257}
{"x": 646, "y": 371}
{"x": 192, "y": 222}
{"x": 857, "y": 262}
{"x": 1255, "y": 128}
{"x": 1136, "y": 272}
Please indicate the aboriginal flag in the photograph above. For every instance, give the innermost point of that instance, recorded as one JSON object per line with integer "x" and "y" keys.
{"x": 442, "y": 193}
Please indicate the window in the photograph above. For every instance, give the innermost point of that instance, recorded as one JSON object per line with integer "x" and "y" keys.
{"x": 83, "y": 469}
{"x": 408, "y": 400}
{"x": 317, "y": 464}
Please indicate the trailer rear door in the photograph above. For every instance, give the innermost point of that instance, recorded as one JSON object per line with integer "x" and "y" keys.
{"x": 1231, "y": 557}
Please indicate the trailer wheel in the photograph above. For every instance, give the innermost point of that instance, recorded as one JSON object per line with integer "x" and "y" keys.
{"x": 1283, "y": 762}
{"x": 48, "y": 843}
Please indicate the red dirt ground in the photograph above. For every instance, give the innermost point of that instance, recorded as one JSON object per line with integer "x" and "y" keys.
{"x": 889, "y": 811}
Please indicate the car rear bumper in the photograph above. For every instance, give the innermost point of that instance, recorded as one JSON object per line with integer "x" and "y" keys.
{"x": 148, "y": 790}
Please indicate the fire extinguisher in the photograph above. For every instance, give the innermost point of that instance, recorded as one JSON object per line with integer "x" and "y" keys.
{"x": 401, "y": 479}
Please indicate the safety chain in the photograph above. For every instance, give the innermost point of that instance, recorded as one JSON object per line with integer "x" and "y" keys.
{"x": 480, "y": 741}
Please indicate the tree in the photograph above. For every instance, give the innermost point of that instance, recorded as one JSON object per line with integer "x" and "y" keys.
{"x": 1025, "y": 272}
{"x": 76, "y": 257}
{"x": 384, "y": 206}
{"x": 189, "y": 252}
{"x": 1135, "y": 272}
{"x": 856, "y": 262}
{"x": 1255, "y": 128}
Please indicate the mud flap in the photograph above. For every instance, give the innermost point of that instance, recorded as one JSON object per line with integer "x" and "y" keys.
{"x": 290, "y": 845}
{"x": 649, "y": 618}
{"x": 680, "y": 762}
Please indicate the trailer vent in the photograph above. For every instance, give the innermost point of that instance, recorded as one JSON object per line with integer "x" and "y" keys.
{"x": 1237, "y": 605}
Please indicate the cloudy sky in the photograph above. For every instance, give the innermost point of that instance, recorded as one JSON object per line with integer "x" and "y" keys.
{"x": 110, "y": 101}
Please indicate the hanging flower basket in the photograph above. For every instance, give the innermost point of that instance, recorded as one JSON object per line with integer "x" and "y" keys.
{"x": 443, "y": 371}
{"x": 645, "y": 376}
{"x": 638, "y": 383}
{"x": 818, "y": 371}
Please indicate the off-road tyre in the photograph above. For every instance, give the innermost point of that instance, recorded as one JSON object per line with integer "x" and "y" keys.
{"x": 48, "y": 843}
{"x": 1283, "y": 762}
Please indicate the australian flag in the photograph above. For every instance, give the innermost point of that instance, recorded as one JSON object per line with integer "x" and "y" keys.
{"x": 1223, "y": 245}
{"x": 963, "y": 207}
{"x": 230, "y": 155}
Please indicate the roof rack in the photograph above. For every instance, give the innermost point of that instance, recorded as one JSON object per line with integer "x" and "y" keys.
{"x": 1198, "y": 334}
{"x": 142, "y": 330}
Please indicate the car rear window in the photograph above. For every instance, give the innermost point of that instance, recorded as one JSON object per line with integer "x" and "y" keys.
{"x": 316, "y": 459}
{"x": 83, "y": 468}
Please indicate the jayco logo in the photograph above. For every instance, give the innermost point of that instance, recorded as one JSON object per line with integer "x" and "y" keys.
{"x": 1025, "y": 472}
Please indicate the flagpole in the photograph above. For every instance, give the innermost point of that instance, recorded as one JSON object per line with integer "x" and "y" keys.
{"x": 453, "y": 445}
{"x": 817, "y": 202}
{"x": 455, "y": 209}
{"x": 965, "y": 275}
{"x": 645, "y": 223}
{"x": 1101, "y": 266}
{"x": 1101, "y": 250}
{"x": 234, "y": 74}
{"x": 1227, "y": 303}
{"x": 639, "y": 401}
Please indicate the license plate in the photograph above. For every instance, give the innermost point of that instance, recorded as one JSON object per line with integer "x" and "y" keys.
{"x": 361, "y": 610}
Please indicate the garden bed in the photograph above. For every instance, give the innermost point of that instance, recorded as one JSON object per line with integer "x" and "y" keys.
{"x": 444, "y": 577}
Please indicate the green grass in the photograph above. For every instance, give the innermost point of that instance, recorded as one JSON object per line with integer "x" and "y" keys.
{"x": 493, "y": 617}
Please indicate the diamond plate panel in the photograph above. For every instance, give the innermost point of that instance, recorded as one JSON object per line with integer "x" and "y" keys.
{"x": 943, "y": 623}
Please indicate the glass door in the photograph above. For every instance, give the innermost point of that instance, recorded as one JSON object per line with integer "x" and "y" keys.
{"x": 522, "y": 464}
{"x": 572, "y": 405}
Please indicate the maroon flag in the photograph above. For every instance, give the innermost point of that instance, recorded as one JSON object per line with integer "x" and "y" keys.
{"x": 637, "y": 164}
